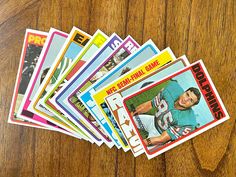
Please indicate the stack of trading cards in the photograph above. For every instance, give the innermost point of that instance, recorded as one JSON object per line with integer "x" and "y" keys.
{"x": 104, "y": 89}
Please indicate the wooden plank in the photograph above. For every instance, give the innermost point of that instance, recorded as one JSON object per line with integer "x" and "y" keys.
{"x": 74, "y": 157}
{"x": 133, "y": 26}
{"x": 11, "y": 8}
{"x": 211, "y": 37}
{"x": 102, "y": 161}
{"x": 109, "y": 16}
{"x": 180, "y": 161}
{"x": 77, "y": 160}
{"x": 67, "y": 18}
{"x": 17, "y": 142}
{"x": 135, "y": 20}
{"x": 177, "y": 26}
{"x": 48, "y": 143}
{"x": 49, "y": 15}
{"x": 13, "y": 161}
{"x": 15, "y": 25}
{"x": 153, "y": 24}
{"x": 82, "y": 19}
{"x": 47, "y": 153}
{"x": 227, "y": 166}
{"x": 125, "y": 164}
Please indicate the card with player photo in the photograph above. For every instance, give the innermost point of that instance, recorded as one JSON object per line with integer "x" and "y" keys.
{"x": 33, "y": 44}
{"x": 115, "y": 106}
{"x": 175, "y": 109}
{"x": 73, "y": 108}
{"x": 139, "y": 72}
{"x": 75, "y": 42}
{"x": 51, "y": 48}
{"x": 146, "y": 50}
{"x": 96, "y": 42}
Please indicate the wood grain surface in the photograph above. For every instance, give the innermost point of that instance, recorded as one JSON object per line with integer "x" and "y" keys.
{"x": 198, "y": 28}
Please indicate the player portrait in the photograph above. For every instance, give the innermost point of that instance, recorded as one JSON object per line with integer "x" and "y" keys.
{"x": 163, "y": 113}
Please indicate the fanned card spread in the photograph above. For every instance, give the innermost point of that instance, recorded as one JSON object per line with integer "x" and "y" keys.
{"x": 108, "y": 90}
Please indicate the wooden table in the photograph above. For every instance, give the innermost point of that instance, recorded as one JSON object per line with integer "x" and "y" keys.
{"x": 198, "y": 28}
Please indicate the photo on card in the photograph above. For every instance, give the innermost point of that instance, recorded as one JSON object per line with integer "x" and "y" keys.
{"x": 174, "y": 109}
{"x": 32, "y": 47}
{"x": 31, "y": 58}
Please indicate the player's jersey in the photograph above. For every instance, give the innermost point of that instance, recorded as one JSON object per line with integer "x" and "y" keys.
{"x": 167, "y": 118}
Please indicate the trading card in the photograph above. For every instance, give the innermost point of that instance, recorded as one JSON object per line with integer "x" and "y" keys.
{"x": 139, "y": 72}
{"x": 33, "y": 43}
{"x": 96, "y": 60}
{"x": 51, "y": 48}
{"x": 147, "y": 50}
{"x": 127, "y": 47}
{"x": 114, "y": 101}
{"x": 98, "y": 39}
{"x": 75, "y": 42}
{"x": 174, "y": 109}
